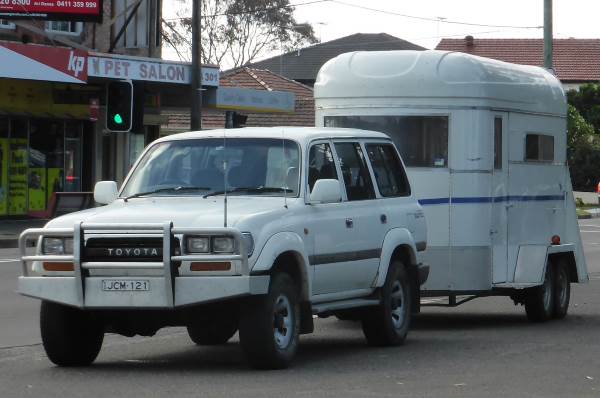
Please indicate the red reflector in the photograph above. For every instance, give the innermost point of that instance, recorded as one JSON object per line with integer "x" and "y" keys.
{"x": 598, "y": 188}
{"x": 58, "y": 266}
{"x": 210, "y": 266}
{"x": 555, "y": 240}
{"x": 70, "y": 178}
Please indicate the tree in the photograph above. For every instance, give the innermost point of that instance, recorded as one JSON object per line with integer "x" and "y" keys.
{"x": 583, "y": 145}
{"x": 236, "y": 32}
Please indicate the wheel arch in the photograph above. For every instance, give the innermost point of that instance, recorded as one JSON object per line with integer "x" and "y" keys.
{"x": 567, "y": 258}
{"x": 397, "y": 244}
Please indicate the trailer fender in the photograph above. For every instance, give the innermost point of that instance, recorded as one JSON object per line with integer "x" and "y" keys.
{"x": 532, "y": 261}
{"x": 280, "y": 244}
{"x": 393, "y": 239}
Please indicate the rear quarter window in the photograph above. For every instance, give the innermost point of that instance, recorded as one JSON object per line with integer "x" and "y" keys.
{"x": 390, "y": 175}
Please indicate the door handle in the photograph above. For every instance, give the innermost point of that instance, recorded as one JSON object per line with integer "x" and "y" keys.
{"x": 349, "y": 223}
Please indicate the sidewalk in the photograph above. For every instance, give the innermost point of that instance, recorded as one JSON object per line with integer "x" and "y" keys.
{"x": 11, "y": 229}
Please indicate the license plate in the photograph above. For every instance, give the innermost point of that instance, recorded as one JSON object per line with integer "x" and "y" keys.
{"x": 120, "y": 285}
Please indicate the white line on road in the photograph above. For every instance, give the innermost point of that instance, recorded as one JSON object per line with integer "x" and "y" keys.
{"x": 9, "y": 260}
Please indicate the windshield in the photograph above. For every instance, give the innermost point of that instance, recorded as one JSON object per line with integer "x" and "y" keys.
{"x": 251, "y": 166}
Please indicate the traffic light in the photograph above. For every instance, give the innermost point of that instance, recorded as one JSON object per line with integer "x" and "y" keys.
{"x": 119, "y": 106}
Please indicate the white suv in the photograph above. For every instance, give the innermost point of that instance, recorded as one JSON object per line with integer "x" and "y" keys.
{"x": 254, "y": 229}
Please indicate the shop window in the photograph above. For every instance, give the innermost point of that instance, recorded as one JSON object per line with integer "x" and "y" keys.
{"x": 421, "y": 140}
{"x": 64, "y": 27}
{"x": 539, "y": 148}
{"x": 3, "y": 166}
{"x": 136, "y": 33}
{"x": 4, "y": 24}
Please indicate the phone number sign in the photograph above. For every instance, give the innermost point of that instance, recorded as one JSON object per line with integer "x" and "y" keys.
{"x": 70, "y": 10}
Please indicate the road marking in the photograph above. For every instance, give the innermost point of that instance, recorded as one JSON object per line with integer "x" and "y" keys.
{"x": 8, "y": 260}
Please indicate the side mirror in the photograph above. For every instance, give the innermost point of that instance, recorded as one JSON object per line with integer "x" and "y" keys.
{"x": 105, "y": 192}
{"x": 326, "y": 191}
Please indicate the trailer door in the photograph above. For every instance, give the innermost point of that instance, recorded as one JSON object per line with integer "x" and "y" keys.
{"x": 499, "y": 197}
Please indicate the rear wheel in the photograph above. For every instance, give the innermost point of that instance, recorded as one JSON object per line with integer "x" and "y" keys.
{"x": 388, "y": 323}
{"x": 213, "y": 331}
{"x": 562, "y": 291}
{"x": 71, "y": 337}
{"x": 539, "y": 301}
{"x": 270, "y": 325}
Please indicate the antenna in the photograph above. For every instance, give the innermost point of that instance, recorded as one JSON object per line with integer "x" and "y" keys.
{"x": 225, "y": 179}
{"x": 285, "y": 187}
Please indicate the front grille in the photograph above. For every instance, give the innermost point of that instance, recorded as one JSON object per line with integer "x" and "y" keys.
{"x": 126, "y": 249}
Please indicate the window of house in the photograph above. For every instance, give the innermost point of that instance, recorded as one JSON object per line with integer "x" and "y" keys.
{"x": 355, "y": 172}
{"x": 64, "y": 27}
{"x": 421, "y": 140}
{"x": 389, "y": 173}
{"x": 4, "y": 24}
{"x": 137, "y": 31}
{"x": 498, "y": 143}
{"x": 539, "y": 148}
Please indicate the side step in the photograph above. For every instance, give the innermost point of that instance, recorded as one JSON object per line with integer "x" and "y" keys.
{"x": 343, "y": 305}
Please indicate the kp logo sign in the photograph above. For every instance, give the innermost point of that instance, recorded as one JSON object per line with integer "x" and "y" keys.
{"x": 76, "y": 64}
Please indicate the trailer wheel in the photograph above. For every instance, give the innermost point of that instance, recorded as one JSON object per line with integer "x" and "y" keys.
{"x": 539, "y": 301}
{"x": 388, "y": 323}
{"x": 71, "y": 337}
{"x": 562, "y": 291}
{"x": 270, "y": 325}
{"x": 213, "y": 331}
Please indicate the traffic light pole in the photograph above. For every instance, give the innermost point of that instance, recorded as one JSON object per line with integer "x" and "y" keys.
{"x": 196, "y": 106}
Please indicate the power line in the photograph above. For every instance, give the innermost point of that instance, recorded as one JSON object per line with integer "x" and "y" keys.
{"x": 255, "y": 10}
{"x": 433, "y": 19}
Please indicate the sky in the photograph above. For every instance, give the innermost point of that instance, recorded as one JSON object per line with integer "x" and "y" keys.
{"x": 332, "y": 19}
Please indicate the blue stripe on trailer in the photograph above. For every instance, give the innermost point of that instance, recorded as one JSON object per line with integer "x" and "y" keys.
{"x": 490, "y": 199}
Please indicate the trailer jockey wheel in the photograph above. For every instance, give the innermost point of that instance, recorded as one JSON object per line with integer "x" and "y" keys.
{"x": 539, "y": 302}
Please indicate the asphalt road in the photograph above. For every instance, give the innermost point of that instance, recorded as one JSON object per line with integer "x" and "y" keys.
{"x": 483, "y": 348}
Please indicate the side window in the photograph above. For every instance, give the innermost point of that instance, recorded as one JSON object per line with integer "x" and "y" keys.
{"x": 389, "y": 173}
{"x": 320, "y": 164}
{"x": 498, "y": 143}
{"x": 354, "y": 170}
{"x": 539, "y": 148}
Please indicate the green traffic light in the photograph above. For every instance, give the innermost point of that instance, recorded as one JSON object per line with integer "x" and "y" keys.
{"x": 118, "y": 119}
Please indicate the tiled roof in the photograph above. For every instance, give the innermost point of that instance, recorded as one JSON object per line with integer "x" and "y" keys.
{"x": 304, "y": 64}
{"x": 244, "y": 77}
{"x": 575, "y": 60}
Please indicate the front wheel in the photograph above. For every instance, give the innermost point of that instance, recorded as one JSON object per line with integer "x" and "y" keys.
{"x": 71, "y": 337}
{"x": 270, "y": 325}
{"x": 388, "y": 323}
{"x": 539, "y": 301}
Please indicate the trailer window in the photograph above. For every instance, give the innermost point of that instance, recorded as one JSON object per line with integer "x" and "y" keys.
{"x": 539, "y": 148}
{"x": 421, "y": 140}
{"x": 389, "y": 173}
{"x": 498, "y": 143}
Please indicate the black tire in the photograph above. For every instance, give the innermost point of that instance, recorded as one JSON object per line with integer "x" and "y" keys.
{"x": 388, "y": 323}
{"x": 267, "y": 340}
{"x": 71, "y": 337}
{"x": 539, "y": 301}
{"x": 213, "y": 331}
{"x": 562, "y": 291}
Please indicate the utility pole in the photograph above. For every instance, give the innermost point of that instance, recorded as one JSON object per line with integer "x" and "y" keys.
{"x": 548, "y": 45}
{"x": 196, "y": 107}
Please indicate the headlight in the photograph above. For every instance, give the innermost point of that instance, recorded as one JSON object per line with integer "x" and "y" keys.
{"x": 223, "y": 244}
{"x": 198, "y": 244}
{"x": 249, "y": 242}
{"x": 57, "y": 246}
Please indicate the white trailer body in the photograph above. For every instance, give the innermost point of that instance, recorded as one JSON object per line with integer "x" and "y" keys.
{"x": 484, "y": 143}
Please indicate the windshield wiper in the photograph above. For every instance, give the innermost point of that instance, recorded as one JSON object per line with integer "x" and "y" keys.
{"x": 170, "y": 189}
{"x": 249, "y": 190}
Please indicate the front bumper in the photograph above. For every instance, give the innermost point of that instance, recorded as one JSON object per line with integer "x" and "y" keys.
{"x": 187, "y": 290}
{"x": 165, "y": 288}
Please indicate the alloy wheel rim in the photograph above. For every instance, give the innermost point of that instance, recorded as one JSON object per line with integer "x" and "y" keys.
{"x": 283, "y": 322}
{"x": 398, "y": 311}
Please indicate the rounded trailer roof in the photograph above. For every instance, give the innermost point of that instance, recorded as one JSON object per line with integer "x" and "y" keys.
{"x": 438, "y": 78}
